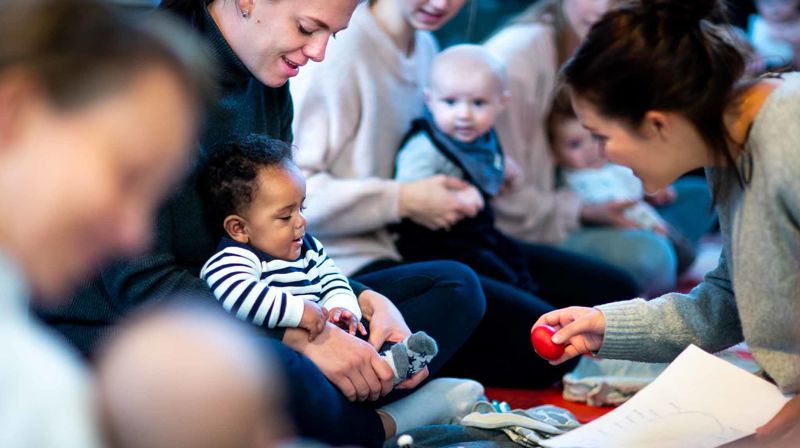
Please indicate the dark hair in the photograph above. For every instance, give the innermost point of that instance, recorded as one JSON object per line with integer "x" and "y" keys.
{"x": 190, "y": 10}
{"x": 79, "y": 50}
{"x": 227, "y": 180}
{"x": 661, "y": 55}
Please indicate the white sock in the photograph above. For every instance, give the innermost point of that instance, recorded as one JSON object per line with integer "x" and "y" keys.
{"x": 439, "y": 401}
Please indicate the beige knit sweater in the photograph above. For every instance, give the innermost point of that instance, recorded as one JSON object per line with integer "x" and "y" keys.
{"x": 351, "y": 113}
{"x": 534, "y": 210}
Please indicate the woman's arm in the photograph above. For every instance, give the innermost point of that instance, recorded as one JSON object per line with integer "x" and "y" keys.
{"x": 660, "y": 329}
{"x": 533, "y": 210}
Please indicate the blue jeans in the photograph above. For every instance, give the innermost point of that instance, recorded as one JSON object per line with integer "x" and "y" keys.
{"x": 691, "y": 214}
{"x": 647, "y": 256}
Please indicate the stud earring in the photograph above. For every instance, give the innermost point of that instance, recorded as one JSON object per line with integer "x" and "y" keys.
{"x": 245, "y": 13}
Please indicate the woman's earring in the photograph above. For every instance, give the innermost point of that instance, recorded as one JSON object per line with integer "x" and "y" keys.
{"x": 245, "y": 13}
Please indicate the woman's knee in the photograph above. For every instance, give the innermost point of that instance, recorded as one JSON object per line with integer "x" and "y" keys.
{"x": 645, "y": 255}
{"x": 652, "y": 261}
{"x": 461, "y": 287}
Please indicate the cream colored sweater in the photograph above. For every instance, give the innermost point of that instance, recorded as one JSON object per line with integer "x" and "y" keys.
{"x": 534, "y": 210}
{"x": 351, "y": 113}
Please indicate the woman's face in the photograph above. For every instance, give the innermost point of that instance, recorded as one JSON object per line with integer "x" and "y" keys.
{"x": 84, "y": 183}
{"x": 655, "y": 158}
{"x": 429, "y": 15}
{"x": 278, "y": 37}
{"x": 582, "y": 14}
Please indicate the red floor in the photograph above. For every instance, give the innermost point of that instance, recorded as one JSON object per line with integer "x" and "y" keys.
{"x": 523, "y": 399}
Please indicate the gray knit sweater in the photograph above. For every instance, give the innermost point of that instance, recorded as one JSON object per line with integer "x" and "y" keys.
{"x": 754, "y": 293}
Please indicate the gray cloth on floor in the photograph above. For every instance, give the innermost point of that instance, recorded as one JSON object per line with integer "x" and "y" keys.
{"x": 526, "y": 427}
{"x": 440, "y": 436}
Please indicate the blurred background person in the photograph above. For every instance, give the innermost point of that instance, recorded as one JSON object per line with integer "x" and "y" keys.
{"x": 97, "y": 115}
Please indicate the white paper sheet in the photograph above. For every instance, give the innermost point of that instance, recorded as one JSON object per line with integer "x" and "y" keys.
{"x": 698, "y": 401}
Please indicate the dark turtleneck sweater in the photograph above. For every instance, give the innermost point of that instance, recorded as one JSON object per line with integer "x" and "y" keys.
{"x": 183, "y": 242}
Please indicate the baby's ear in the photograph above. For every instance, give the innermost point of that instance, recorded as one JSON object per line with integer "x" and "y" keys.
{"x": 236, "y": 228}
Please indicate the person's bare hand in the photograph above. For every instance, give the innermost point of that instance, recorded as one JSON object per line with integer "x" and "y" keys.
{"x": 433, "y": 202}
{"x": 344, "y": 319}
{"x": 414, "y": 380}
{"x": 784, "y": 428}
{"x": 610, "y": 213}
{"x": 663, "y": 196}
{"x": 313, "y": 319}
{"x": 782, "y": 431}
{"x": 580, "y": 329}
{"x": 353, "y": 365}
{"x": 511, "y": 174}
{"x": 471, "y": 200}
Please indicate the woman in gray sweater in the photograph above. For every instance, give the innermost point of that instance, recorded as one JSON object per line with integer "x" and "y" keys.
{"x": 662, "y": 91}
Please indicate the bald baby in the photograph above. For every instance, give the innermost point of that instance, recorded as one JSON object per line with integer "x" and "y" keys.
{"x": 188, "y": 377}
{"x": 466, "y": 61}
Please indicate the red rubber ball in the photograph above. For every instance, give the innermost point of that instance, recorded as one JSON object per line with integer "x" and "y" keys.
{"x": 542, "y": 341}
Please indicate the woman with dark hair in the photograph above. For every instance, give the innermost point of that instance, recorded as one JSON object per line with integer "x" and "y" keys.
{"x": 259, "y": 45}
{"x": 662, "y": 89}
{"x": 85, "y": 157}
{"x": 533, "y": 47}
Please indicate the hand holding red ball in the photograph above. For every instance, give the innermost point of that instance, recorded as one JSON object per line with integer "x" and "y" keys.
{"x": 541, "y": 339}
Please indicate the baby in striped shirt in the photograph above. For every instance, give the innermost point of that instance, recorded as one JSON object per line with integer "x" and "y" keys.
{"x": 267, "y": 270}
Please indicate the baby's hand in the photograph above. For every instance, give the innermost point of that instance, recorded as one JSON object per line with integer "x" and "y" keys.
{"x": 511, "y": 175}
{"x": 313, "y": 319}
{"x": 345, "y": 320}
{"x": 471, "y": 201}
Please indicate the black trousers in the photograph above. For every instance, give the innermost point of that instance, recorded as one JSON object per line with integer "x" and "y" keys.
{"x": 443, "y": 299}
{"x": 499, "y": 352}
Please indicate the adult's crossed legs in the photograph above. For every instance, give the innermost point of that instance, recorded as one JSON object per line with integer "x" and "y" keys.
{"x": 443, "y": 299}
{"x": 570, "y": 279}
{"x": 318, "y": 409}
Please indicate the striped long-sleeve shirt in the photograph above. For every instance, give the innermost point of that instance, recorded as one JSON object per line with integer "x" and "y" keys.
{"x": 269, "y": 292}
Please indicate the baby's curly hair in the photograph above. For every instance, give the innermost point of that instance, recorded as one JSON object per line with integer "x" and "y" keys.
{"x": 227, "y": 180}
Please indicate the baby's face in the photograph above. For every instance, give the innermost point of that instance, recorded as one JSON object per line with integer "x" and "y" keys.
{"x": 574, "y": 146}
{"x": 465, "y": 105}
{"x": 778, "y": 10}
{"x": 274, "y": 220}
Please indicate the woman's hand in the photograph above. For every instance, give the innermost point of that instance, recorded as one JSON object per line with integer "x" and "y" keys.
{"x": 387, "y": 324}
{"x": 580, "y": 329}
{"x": 385, "y": 321}
{"x": 663, "y": 196}
{"x": 348, "y": 362}
{"x": 438, "y": 202}
{"x": 511, "y": 174}
{"x": 610, "y": 213}
{"x": 782, "y": 431}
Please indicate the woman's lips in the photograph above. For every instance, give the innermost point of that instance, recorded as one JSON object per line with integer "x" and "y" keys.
{"x": 292, "y": 69}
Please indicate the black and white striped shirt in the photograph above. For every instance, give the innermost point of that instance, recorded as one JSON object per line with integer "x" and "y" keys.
{"x": 269, "y": 292}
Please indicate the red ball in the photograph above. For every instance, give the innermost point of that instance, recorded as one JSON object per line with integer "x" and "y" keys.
{"x": 542, "y": 341}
